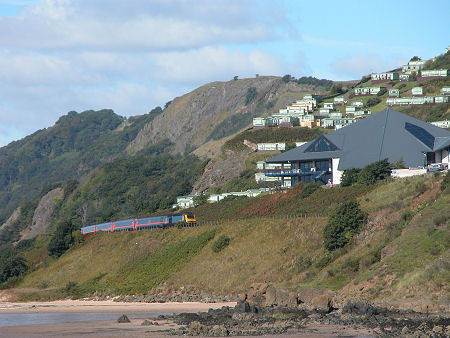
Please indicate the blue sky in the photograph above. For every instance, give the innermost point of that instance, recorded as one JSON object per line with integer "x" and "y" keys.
{"x": 130, "y": 56}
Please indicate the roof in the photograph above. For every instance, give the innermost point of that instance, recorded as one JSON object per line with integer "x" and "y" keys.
{"x": 387, "y": 134}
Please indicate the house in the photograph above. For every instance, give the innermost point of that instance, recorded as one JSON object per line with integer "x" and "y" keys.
{"x": 417, "y": 91}
{"x": 350, "y": 109}
{"x": 394, "y": 92}
{"x": 413, "y": 66}
{"x": 405, "y": 101}
{"x": 387, "y": 134}
{"x": 404, "y": 77}
{"x": 262, "y": 122}
{"x": 441, "y": 99}
{"x": 271, "y": 147}
{"x": 358, "y": 104}
{"x": 329, "y": 105}
{"x": 368, "y": 90}
{"x": 385, "y": 76}
{"x": 339, "y": 100}
{"x": 442, "y": 124}
{"x": 435, "y": 73}
{"x": 445, "y": 90}
{"x": 184, "y": 202}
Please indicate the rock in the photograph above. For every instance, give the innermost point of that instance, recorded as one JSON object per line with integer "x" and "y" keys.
{"x": 147, "y": 322}
{"x": 321, "y": 303}
{"x": 123, "y": 319}
{"x": 242, "y": 297}
{"x": 219, "y": 330}
{"x": 197, "y": 329}
{"x": 242, "y": 307}
{"x": 360, "y": 308}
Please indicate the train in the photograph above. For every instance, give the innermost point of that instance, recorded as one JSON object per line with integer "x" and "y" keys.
{"x": 185, "y": 219}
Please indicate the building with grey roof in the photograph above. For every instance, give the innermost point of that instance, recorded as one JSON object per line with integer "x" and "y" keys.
{"x": 387, "y": 134}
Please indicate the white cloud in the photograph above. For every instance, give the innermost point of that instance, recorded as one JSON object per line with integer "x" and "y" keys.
{"x": 138, "y": 24}
{"x": 356, "y": 66}
{"x": 214, "y": 62}
{"x": 63, "y": 55}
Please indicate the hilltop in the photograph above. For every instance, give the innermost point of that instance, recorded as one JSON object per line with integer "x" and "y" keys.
{"x": 96, "y": 166}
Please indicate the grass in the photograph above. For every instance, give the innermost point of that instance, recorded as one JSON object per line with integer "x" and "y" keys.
{"x": 394, "y": 255}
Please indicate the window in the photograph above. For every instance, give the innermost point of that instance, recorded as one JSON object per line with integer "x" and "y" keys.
{"x": 321, "y": 144}
{"x": 421, "y": 134}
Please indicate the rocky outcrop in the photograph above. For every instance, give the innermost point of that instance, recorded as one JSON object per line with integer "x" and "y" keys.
{"x": 190, "y": 119}
{"x": 269, "y": 295}
{"x": 14, "y": 217}
{"x": 43, "y": 213}
{"x": 219, "y": 171}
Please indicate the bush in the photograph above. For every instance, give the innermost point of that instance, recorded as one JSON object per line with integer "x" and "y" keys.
{"x": 374, "y": 172}
{"x": 344, "y": 222}
{"x": 373, "y": 101}
{"x": 62, "y": 239}
{"x": 287, "y": 78}
{"x": 302, "y": 263}
{"x": 251, "y": 95}
{"x": 309, "y": 188}
{"x": 382, "y": 92}
{"x": 445, "y": 182}
{"x": 221, "y": 243}
{"x": 200, "y": 199}
{"x": 11, "y": 266}
{"x": 350, "y": 176}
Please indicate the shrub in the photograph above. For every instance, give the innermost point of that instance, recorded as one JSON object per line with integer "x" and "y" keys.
{"x": 324, "y": 261}
{"x": 62, "y": 239}
{"x": 374, "y": 172}
{"x": 302, "y": 263}
{"x": 221, "y": 243}
{"x": 439, "y": 219}
{"x": 445, "y": 182}
{"x": 373, "y": 101}
{"x": 382, "y": 92}
{"x": 350, "y": 176}
{"x": 344, "y": 222}
{"x": 309, "y": 188}
{"x": 200, "y": 199}
{"x": 287, "y": 78}
{"x": 251, "y": 95}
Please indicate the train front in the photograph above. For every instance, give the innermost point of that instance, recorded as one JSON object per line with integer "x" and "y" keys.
{"x": 190, "y": 219}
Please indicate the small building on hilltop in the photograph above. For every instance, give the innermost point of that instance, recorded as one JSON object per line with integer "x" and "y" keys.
{"x": 387, "y": 134}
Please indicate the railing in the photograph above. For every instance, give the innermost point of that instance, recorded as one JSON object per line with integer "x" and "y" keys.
{"x": 294, "y": 172}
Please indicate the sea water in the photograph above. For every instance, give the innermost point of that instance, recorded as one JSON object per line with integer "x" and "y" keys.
{"x": 17, "y": 319}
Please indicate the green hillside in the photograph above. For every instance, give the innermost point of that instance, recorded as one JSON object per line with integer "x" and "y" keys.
{"x": 399, "y": 254}
{"x": 77, "y": 143}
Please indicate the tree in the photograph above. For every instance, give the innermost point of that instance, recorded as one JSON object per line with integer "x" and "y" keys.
{"x": 251, "y": 95}
{"x": 382, "y": 92}
{"x": 11, "y": 265}
{"x": 350, "y": 176}
{"x": 344, "y": 222}
{"x": 336, "y": 90}
{"x": 62, "y": 239}
{"x": 200, "y": 199}
{"x": 287, "y": 78}
{"x": 235, "y": 77}
{"x": 373, "y": 101}
{"x": 375, "y": 172}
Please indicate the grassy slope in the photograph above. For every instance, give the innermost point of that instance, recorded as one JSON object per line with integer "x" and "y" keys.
{"x": 401, "y": 253}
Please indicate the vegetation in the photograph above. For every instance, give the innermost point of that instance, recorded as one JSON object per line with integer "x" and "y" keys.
{"x": 309, "y": 188}
{"x": 77, "y": 143}
{"x": 344, "y": 222}
{"x": 251, "y": 95}
{"x": 440, "y": 62}
{"x": 374, "y": 172}
{"x": 297, "y": 134}
{"x": 221, "y": 243}
{"x": 62, "y": 239}
{"x": 373, "y": 101}
{"x": 11, "y": 265}
{"x": 350, "y": 176}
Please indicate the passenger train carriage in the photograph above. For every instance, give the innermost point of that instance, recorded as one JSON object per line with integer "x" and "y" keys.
{"x": 187, "y": 219}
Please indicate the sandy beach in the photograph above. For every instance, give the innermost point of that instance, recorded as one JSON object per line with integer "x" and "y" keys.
{"x": 104, "y": 328}
{"x": 106, "y": 306}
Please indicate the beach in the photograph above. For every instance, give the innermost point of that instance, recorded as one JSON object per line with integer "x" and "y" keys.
{"x": 104, "y": 328}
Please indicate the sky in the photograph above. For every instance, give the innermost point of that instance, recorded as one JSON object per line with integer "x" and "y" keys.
{"x": 58, "y": 56}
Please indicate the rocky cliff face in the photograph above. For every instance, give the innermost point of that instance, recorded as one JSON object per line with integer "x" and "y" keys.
{"x": 190, "y": 120}
{"x": 42, "y": 214}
